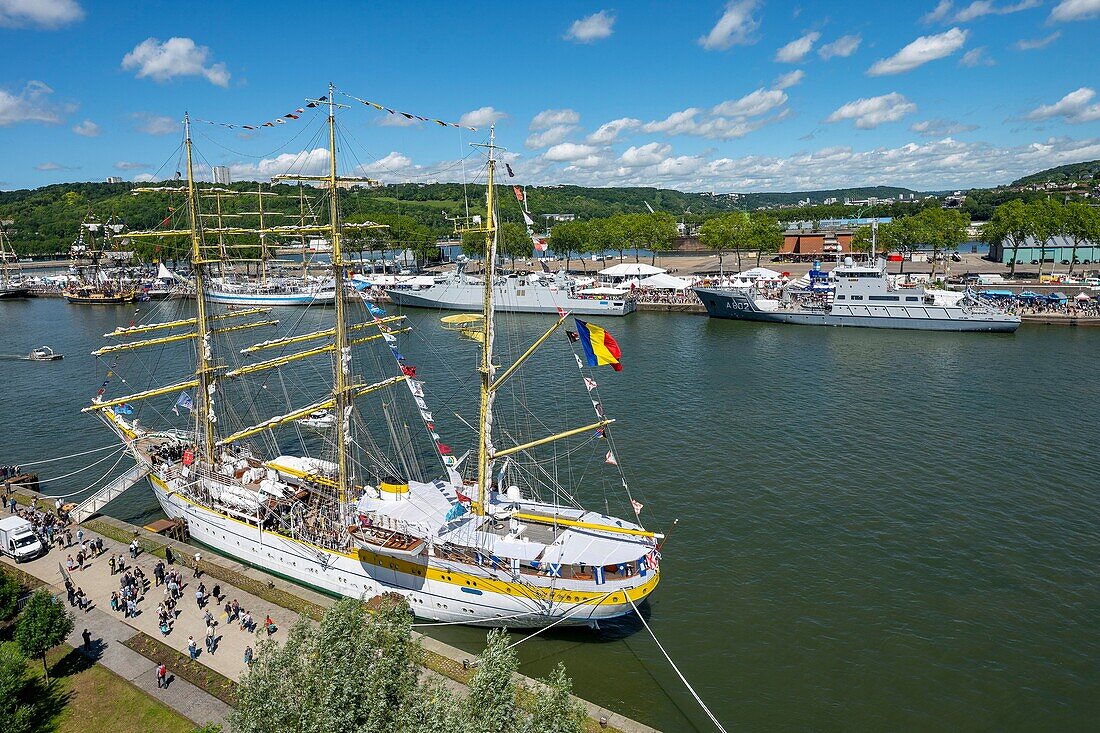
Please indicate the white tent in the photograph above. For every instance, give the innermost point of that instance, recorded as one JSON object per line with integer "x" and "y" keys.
{"x": 631, "y": 269}
{"x": 664, "y": 281}
{"x": 1083, "y": 297}
{"x": 759, "y": 273}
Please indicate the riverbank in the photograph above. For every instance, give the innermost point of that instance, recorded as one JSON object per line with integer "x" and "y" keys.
{"x": 262, "y": 594}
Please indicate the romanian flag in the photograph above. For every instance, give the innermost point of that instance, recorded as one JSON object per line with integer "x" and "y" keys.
{"x": 599, "y": 347}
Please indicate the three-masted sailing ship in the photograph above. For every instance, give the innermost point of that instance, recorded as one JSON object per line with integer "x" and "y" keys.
{"x": 94, "y": 285}
{"x": 12, "y": 286}
{"x": 470, "y": 549}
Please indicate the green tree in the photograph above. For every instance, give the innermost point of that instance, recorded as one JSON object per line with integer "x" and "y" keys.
{"x": 1011, "y": 223}
{"x": 44, "y": 624}
{"x": 15, "y": 715}
{"x": 1082, "y": 224}
{"x": 514, "y": 242}
{"x": 861, "y": 239}
{"x": 490, "y": 706}
{"x": 555, "y": 710}
{"x": 764, "y": 234}
{"x": 9, "y": 595}
{"x": 1048, "y": 220}
{"x": 724, "y": 233}
{"x": 569, "y": 237}
{"x": 657, "y": 233}
{"x": 941, "y": 229}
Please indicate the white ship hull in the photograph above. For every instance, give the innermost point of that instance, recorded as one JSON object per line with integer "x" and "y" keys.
{"x": 436, "y": 590}
{"x": 272, "y": 300}
{"x": 510, "y": 298}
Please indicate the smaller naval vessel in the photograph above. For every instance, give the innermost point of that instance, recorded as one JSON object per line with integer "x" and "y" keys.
{"x": 859, "y": 295}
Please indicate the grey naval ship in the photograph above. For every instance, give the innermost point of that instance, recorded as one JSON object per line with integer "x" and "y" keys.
{"x": 860, "y": 295}
{"x": 514, "y": 293}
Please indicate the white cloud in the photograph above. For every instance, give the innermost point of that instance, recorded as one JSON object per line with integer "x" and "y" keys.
{"x": 553, "y": 117}
{"x": 395, "y": 166}
{"x": 940, "y": 128}
{"x": 675, "y": 124}
{"x": 592, "y": 28}
{"x": 735, "y": 28}
{"x": 945, "y": 10}
{"x": 920, "y": 52}
{"x": 1074, "y": 108}
{"x": 753, "y": 104}
{"x": 52, "y": 166}
{"x": 32, "y": 104}
{"x": 144, "y": 178}
{"x": 152, "y": 124}
{"x": 175, "y": 57}
{"x": 796, "y": 50}
{"x": 941, "y": 11}
{"x": 125, "y": 165}
{"x": 870, "y": 112}
{"x": 790, "y": 79}
{"x": 39, "y": 13}
{"x": 1068, "y": 10}
{"x": 396, "y": 120}
{"x": 609, "y": 131}
{"x": 841, "y": 47}
{"x": 481, "y": 117}
{"x": 649, "y": 154}
{"x": 1034, "y": 44}
{"x": 976, "y": 57}
{"x": 306, "y": 162}
{"x": 570, "y": 152}
{"x": 87, "y": 128}
{"x": 549, "y": 136}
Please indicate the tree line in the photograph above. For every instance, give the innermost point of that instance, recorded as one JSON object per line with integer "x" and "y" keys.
{"x": 1043, "y": 220}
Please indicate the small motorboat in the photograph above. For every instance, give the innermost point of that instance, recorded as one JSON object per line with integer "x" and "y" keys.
{"x": 318, "y": 420}
{"x": 43, "y": 353}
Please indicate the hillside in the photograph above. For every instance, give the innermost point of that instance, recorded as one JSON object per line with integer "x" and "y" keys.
{"x": 753, "y": 200}
{"x": 1089, "y": 170}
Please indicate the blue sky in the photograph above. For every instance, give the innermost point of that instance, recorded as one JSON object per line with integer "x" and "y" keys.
{"x": 747, "y": 95}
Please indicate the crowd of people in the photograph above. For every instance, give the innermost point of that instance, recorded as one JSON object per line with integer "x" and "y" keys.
{"x": 134, "y": 588}
{"x": 665, "y": 297}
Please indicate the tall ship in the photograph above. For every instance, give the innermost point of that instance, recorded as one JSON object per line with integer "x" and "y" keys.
{"x": 264, "y": 289}
{"x": 861, "y": 295}
{"x": 12, "y": 285}
{"x": 95, "y": 284}
{"x": 466, "y": 539}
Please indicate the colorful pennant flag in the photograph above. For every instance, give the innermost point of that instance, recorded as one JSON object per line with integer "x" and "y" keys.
{"x": 296, "y": 114}
{"x": 610, "y": 459}
{"x": 599, "y": 346}
{"x": 637, "y": 506}
{"x": 406, "y": 115}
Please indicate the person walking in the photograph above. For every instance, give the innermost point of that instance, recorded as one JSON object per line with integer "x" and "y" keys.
{"x": 168, "y": 556}
{"x": 111, "y": 562}
{"x": 198, "y": 561}
{"x": 248, "y": 656}
{"x": 70, "y": 592}
{"x": 210, "y": 639}
{"x": 158, "y": 573}
{"x": 87, "y": 636}
{"x": 192, "y": 648}
{"x": 162, "y": 675}
{"x": 80, "y": 536}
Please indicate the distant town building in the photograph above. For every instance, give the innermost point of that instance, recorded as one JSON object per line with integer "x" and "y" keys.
{"x": 221, "y": 175}
{"x": 114, "y": 179}
{"x": 808, "y": 244}
{"x": 559, "y": 217}
{"x": 830, "y": 201}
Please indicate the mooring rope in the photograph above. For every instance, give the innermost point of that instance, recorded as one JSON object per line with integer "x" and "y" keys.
{"x": 680, "y": 674}
{"x": 74, "y": 455}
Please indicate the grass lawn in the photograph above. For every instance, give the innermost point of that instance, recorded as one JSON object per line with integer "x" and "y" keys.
{"x": 87, "y": 697}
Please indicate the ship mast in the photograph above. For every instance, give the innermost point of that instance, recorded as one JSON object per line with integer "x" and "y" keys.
{"x": 485, "y": 422}
{"x": 204, "y": 371}
{"x": 341, "y": 350}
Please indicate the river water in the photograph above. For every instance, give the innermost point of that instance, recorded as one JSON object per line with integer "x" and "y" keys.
{"x": 880, "y": 530}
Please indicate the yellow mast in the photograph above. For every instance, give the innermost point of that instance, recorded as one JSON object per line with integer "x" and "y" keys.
{"x": 204, "y": 371}
{"x": 342, "y": 351}
{"x": 484, "y": 446}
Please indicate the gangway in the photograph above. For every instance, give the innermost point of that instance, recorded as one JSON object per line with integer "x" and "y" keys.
{"x": 108, "y": 493}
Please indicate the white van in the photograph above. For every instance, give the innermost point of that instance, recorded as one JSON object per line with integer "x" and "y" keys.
{"x": 18, "y": 540}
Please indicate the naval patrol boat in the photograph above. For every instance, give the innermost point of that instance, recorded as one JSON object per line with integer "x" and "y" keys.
{"x": 862, "y": 296}
{"x": 513, "y": 293}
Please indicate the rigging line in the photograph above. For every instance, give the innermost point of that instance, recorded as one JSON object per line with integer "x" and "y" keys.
{"x": 74, "y": 455}
{"x": 90, "y": 486}
{"x": 108, "y": 457}
{"x": 679, "y": 674}
{"x": 568, "y": 614}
